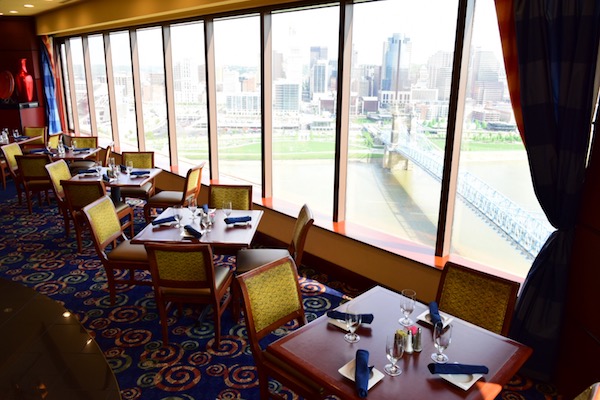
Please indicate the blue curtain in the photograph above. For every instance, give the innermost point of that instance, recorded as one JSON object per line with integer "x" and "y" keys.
{"x": 52, "y": 114}
{"x": 557, "y": 46}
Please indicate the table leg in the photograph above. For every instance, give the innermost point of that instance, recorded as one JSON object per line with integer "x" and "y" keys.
{"x": 115, "y": 194}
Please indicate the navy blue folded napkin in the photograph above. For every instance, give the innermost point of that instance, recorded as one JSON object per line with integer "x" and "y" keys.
{"x": 164, "y": 220}
{"x": 123, "y": 168}
{"x": 234, "y": 220}
{"x": 41, "y": 151}
{"x": 364, "y": 318}
{"x": 205, "y": 208}
{"x": 105, "y": 178}
{"x": 20, "y": 138}
{"x": 434, "y": 313}
{"x": 465, "y": 369}
{"x": 87, "y": 171}
{"x": 192, "y": 231}
{"x": 140, "y": 172}
{"x": 362, "y": 372}
{"x": 81, "y": 150}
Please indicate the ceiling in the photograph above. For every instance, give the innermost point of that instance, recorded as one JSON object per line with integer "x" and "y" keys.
{"x": 22, "y": 7}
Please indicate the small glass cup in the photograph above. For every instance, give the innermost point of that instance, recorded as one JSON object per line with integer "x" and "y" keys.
{"x": 394, "y": 350}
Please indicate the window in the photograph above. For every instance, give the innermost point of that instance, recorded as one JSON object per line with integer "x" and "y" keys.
{"x": 100, "y": 86}
{"x": 80, "y": 85}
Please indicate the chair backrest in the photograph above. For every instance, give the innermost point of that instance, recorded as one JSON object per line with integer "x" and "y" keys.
{"x": 53, "y": 140}
{"x": 271, "y": 298}
{"x": 140, "y": 159}
{"x": 81, "y": 193}
{"x": 107, "y": 155}
{"x": 480, "y": 298}
{"x": 10, "y": 151}
{"x": 85, "y": 141}
{"x": 193, "y": 182}
{"x": 239, "y": 195}
{"x": 102, "y": 218}
{"x": 32, "y": 167}
{"x": 58, "y": 171}
{"x": 33, "y": 131}
{"x": 188, "y": 265}
{"x": 303, "y": 223}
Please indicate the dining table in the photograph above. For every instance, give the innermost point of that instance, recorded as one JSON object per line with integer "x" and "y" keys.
{"x": 221, "y": 235}
{"x": 137, "y": 178}
{"x": 318, "y": 351}
{"x": 70, "y": 153}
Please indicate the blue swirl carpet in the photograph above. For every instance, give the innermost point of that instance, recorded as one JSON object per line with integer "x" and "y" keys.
{"x": 35, "y": 252}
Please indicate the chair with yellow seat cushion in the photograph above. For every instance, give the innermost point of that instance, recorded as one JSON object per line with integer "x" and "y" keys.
{"x": 10, "y": 151}
{"x": 185, "y": 273}
{"x": 239, "y": 195}
{"x": 89, "y": 142}
{"x": 33, "y": 131}
{"x": 34, "y": 177}
{"x": 170, "y": 198}
{"x": 52, "y": 141}
{"x": 79, "y": 194}
{"x": 139, "y": 159}
{"x": 271, "y": 299}
{"x": 57, "y": 172}
{"x": 480, "y": 298}
{"x": 104, "y": 223}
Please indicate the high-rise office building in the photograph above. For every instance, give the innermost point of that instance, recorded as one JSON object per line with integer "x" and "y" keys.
{"x": 397, "y": 53}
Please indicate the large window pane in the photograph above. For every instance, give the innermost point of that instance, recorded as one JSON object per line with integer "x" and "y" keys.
{"x": 400, "y": 83}
{"x": 152, "y": 78}
{"x": 304, "y": 92}
{"x": 498, "y": 219}
{"x": 121, "y": 59}
{"x": 237, "y": 63}
{"x": 83, "y": 107}
{"x": 66, "y": 87}
{"x": 100, "y": 87}
{"x": 189, "y": 81}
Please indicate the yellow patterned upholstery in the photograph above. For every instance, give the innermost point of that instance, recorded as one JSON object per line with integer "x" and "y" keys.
{"x": 85, "y": 141}
{"x": 185, "y": 273}
{"x": 103, "y": 220}
{"x": 239, "y": 195}
{"x": 32, "y": 131}
{"x": 53, "y": 140}
{"x": 272, "y": 299}
{"x": 140, "y": 159}
{"x": 167, "y": 199}
{"x": 483, "y": 299}
{"x": 79, "y": 194}
{"x": 58, "y": 171}
{"x": 33, "y": 174}
{"x": 10, "y": 151}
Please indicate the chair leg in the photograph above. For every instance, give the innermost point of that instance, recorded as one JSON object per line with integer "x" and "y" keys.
{"x": 78, "y": 234}
{"x": 28, "y": 198}
{"x": 111, "y": 283}
{"x": 162, "y": 313}
{"x": 236, "y": 299}
{"x": 147, "y": 210}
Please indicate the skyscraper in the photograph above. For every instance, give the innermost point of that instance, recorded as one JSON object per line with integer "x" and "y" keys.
{"x": 397, "y": 52}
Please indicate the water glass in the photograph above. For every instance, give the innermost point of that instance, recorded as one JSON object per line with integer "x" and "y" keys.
{"x": 192, "y": 206}
{"x": 352, "y": 323}
{"x": 394, "y": 350}
{"x": 227, "y": 208}
{"x": 178, "y": 214}
{"x": 442, "y": 336}
{"x": 407, "y": 306}
{"x": 129, "y": 167}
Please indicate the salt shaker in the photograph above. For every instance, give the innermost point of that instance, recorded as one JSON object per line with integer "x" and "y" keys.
{"x": 408, "y": 348}
{"x": 418, "y": 341}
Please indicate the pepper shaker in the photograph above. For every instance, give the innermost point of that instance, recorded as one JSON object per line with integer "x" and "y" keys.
{"x": 418, "y": 341}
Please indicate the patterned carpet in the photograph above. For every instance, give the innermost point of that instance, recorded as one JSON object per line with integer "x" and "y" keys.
{"x": 35, "y": 252}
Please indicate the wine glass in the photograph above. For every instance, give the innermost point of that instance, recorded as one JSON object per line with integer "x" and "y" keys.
{"x": 129, "y": 167}
{"x": 442, "y": 336}
{"x": 352, "y": 323}
{"x": 15, "y": 133}
{"x": 394, "y": 349}
{"x": 98, "y": 167}
{"x": 204, "y": 222}
{"x": 192, "y": 206}
{"x": 407, "y": 306}
{"x": 178, "y": 214}
{"x": 227, "y": 208}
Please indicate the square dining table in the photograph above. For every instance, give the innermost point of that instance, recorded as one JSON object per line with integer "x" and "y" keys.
{"x": 123, "y": 180}
{"x": 318, "y": 350}
{"x": 222, "y": 235}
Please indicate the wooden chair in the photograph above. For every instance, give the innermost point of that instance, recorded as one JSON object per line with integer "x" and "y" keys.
{"x": 140, "y": 159}
{"x": 248, "y": 259}
{"x": 81, "y": 193}
{"x": 4, "y": 171}
{"x": 10, "y": 151}
{"x": 103, "y": 220}
{"x": 57, "y": 172}
{"x": 32, "y": 131}
{"x": 239, "y": 195}
{"x": 272, "y": 298}
{"x": 52, "y": 141}
{"x": 34, "y": 177}
{"x": 83, "y": 142}
{"x": 185, "y": 273}
{"x": 480, "y": 298}
{"x": 169, "y": 198}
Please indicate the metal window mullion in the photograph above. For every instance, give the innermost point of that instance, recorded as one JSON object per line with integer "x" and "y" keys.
{"x": 112, "y": 98}
{"x": 211, "y": 100}
{"x": 340, "y": 179}
{"x": 464, "y": 30}
{"x": 170, "y": 99}
{"x": 266, "y": 97}
{"x": 89, "y": 84}
{"x": 72, "y": 94}
{"x": 137, "y": 90}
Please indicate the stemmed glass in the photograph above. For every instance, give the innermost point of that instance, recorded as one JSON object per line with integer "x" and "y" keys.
{"x": 227, "y": 208}
{"x": 352, "y": 323}
{"x": 15, "y": 133}
{"x": 442, "y": 336}
{"x": 98, "y": 167}
{"x": 407, "y": 306}
{"x": 129, "y": 167}
{"x": 178, "y": 214}
{"x": 192, "y": 206}
{"x": 394, "y": 350}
